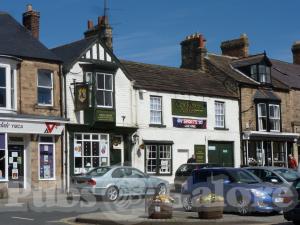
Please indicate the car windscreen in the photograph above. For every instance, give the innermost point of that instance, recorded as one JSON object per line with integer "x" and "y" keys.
{"x": 98, "y": 172}
{"x": 288, "y": 175}
{"x": 245, "y": 177}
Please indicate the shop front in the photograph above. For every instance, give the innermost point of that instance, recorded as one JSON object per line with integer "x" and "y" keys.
{"x": 268, "y": 149}
{"x": 30, "y": 153}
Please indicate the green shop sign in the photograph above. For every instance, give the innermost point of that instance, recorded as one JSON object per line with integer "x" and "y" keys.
{"x": 200, "y": 153}
{"x": 189, "y": 108}
{"x": 102, "y": 115}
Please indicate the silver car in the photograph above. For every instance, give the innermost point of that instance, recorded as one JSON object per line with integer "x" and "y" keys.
{"x": 114, "y": 182}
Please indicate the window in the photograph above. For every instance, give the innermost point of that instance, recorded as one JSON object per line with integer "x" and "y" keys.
{"x": 104, "y": 96}
{"x": 2, "y": 87}
{"x": 261, "y": 73}
{"x": 262, "y": 117}
{"x": 220, "y": 114}
{"x": 7, "y": 87}
{"x": 89, "y": 80}
{"x": 155, "y": 110}
{"x": 159, "y": 159}
{"x": 45, "y": 88}
{"x": 12, "y": 89}
{"x": 90, "y": 151}
{"x": 274, "y": 117}
{"x": 3, "y": 157}
{"x": 46, "y": 158}
{"x": 254, "y": 72}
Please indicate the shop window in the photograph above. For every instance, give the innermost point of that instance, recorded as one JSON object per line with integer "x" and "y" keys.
{"x": 45, "y": 88}
{"x": 90, "y": 151}
{"x": 46, "y": 158}
{"x": 3, "y": 156}
{"x": 155, "y": 110}
{"x": 220, "y": 114}
{"x": 262, "y": 116}
{"x": 159, "y": 159}
{"x": 104, "y": 95}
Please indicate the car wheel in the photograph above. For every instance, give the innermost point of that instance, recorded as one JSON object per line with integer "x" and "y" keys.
{"x": 112, "y": 194}
{"x": 187, "y": 203}
{"x": 242, "y": 208}
{"x": 162, "y": 189}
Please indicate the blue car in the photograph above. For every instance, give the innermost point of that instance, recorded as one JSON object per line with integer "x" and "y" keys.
{"x": 243, "y": 192}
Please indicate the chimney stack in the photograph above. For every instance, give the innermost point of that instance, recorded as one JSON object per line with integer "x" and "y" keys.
{"x": 193, "y": 52}
{"x": 236, "y": 48}
{"x": 103, "y": 29}
{"x": 296, "y": 52}
{"x": 31, "y": 21}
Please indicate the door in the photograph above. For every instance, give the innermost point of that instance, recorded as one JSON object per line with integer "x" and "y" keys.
{"x": 115, "y": 157}
{"x": 221, "y": 153}
{"x": 16, "y": 166}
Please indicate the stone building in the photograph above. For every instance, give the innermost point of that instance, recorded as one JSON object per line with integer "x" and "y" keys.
{"x": 31, "y": 119}
{"x": 268, "y": 92}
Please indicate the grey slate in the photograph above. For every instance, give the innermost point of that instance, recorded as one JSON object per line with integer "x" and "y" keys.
{"x": 16, "y": 40}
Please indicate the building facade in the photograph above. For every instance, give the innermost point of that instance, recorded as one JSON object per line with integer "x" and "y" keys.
{"x": 31, "y": 120}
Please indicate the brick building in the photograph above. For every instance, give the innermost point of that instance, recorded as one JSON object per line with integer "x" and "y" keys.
{"x": 31, "y": 119}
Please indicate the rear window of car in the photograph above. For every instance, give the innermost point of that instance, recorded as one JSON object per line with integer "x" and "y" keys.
{"x": 98, "y": 172}
{"x": 289, "y": 175}
{"x": 187, "y": 169}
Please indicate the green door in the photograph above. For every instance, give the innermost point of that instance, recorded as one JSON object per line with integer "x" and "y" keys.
{"x": 221, "y": 153}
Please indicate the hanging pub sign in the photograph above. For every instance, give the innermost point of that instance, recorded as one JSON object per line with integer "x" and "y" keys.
{"x": 189, "y": 123}
{"x": 189, "y": 108}
{"x": 81, "y": 96}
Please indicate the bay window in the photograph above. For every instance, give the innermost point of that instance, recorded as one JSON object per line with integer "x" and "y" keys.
{"x": 155, "y": 110}
{"x": 104, "y": 92}
{"x": 274, "y": 117}
{"x": 159, "y": 159}
{"x": 45, "y": 88}
{"x": 262, "y": 117}
{"x": 7, "y": 87}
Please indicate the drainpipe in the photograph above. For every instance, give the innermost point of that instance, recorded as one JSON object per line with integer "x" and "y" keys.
{"x": 241, "y": 127}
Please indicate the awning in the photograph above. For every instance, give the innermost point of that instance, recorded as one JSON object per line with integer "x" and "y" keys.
{"x": 270, "y": 136}
{"x": 162, "y": 142}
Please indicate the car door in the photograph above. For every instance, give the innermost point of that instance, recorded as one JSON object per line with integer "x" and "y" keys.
{"x": 139, "y": 182}
{"x": 267, "y": 176}
{"x": 120, "y": 180}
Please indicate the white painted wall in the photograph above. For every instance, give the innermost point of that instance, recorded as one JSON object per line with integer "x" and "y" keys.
{"x": 185, "y": 138}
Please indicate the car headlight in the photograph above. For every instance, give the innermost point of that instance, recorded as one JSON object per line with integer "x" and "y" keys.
{"x": 258, "y": 193}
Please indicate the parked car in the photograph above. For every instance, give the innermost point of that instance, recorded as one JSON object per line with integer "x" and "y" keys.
{"x": 113, "y": 182}
{"x": 185, "y": 170}
{"x": 250, "y": 193}
{"x": 294, "y": 213}
{"x": 275, "y": 175}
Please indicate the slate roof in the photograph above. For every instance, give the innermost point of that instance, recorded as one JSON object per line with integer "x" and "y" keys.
{"x": 266, "y": 95}
{"x": 69, "y": 53}
{"x": 16, "y": 40}
{"x": 227, "y": 65}
{"x": 174, "y": 80}
{"x": 253, "y": 59}
{"x": 287, "y": 73}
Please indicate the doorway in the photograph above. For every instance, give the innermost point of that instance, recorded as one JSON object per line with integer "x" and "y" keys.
{"x": 221, "y": 153}
{"x": 16, "y": 166}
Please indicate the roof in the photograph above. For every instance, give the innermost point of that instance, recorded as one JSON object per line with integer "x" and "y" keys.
{"x": 16, "y": 40}
{"x": 287, "y": 73}
{"x": 176, "y": 80}
{"x": 266, "y": 95}
{"x": 227, "y": 65}
{"x": 253, "y": 59}
{"x": 69, "y": 53}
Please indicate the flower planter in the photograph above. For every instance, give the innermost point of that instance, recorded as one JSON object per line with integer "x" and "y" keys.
{"x": 160, "y": 210}
{"x": 211, "y": 207}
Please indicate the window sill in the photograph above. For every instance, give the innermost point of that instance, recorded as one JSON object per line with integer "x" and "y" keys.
{"x": 46, "y": 107}
{"x": 3, "y": 180}
{"x": 157, "y": 125}
{"x": 50, "y": 179}
{"x": 221, "y": 128}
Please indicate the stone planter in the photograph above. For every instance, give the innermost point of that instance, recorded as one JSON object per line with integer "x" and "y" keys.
{"x": 210, "y": 212}
{"x": 160, "y": 210}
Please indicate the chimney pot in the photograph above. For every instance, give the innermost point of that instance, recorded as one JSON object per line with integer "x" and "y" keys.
{"x": 90, "y": 24}
{"x": 29, "y": 8}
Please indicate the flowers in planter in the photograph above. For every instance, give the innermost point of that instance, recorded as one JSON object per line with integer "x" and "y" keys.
{"x": 210, "y": 198}
{"x": 163, "y": 199}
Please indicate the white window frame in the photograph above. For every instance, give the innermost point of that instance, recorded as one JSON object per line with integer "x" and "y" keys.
{"x": 275, "y": 118}
{"x": 260, "y": 117}
{"x": 54, "y": 159}
{"x": 91, "y": 156}
{"x": 152, "y": 97}
{"x": 8, "y": 89}
{"x": 105, "y": 90}
{"x": 5, "y": 179}
{"x": 220, "y": 106}
{"x": 46, "y": 87}
{"x": 89, "y": 80}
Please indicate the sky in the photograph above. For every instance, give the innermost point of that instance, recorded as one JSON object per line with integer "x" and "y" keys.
{"x": 150, "y": 31}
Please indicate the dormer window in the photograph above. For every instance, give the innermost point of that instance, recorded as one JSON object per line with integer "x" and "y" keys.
{"x": 261, "y": 73}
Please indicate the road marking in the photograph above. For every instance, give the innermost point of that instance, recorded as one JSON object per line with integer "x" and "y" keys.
{"x": 22, "y": 218}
